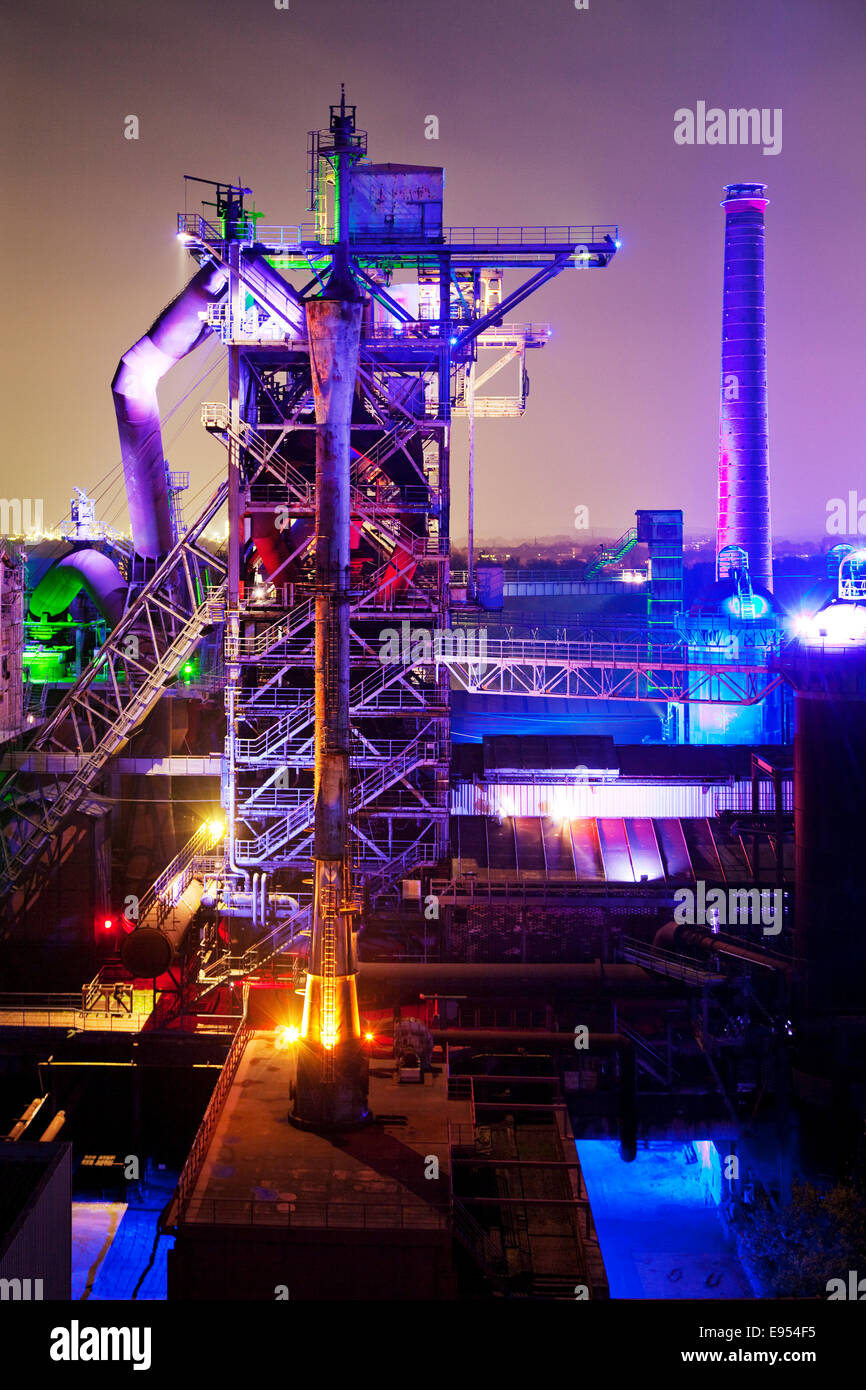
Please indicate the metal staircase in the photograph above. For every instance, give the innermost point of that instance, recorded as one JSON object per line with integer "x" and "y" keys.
{"x": 266, "y": 848}
{"x": 384, "y": 527}
{"x": 385, "y": 689}
{"x": 609, "y": 555}
{"x": 283, "y": 936}
{"x": 160, "y": 900}
{"x": 159, "y": 631}
{"x": 270, "y": 640}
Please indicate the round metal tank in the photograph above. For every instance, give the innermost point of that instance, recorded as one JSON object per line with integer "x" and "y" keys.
{"x": 145, "y": 953}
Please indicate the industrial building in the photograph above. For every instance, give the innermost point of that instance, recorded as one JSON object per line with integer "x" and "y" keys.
{"x": 386, "y": 886}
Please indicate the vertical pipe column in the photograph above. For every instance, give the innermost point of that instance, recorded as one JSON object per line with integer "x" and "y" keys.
{"x": 235, "y": 549}
{"x": 444, "y": 678}
{"x": 470, "y": 546}
{"x": 744, "y": 465}
{"x": 331, "y": 1079}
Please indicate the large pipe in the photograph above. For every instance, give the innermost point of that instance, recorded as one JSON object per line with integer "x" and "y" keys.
{"x": 396, "y": 981}
{"x": 331, "y": 1078}
{"x": 54, "y": 1127}
{"x": 82, "y": 569}
{"x": 176, "y": 332}
{"x": 26, "y": 1119}
{"x": 176, "y": 924}
{"x": 679, "y": 936}
{"x": 744, "y": 464}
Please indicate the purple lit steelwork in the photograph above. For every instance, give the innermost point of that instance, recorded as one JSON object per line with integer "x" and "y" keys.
{"x": 175, "y": 333}
{"x": 744, "y": 468}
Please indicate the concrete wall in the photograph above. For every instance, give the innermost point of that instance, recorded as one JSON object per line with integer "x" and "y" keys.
{"x": 37, "y": 1244}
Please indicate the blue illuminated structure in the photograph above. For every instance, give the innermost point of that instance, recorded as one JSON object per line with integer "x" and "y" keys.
{"x": 841, "y": 622}
{"x": 734, "y": 620}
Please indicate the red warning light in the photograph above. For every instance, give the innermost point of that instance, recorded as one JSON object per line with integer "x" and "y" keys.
{"x": 108, "y": 924}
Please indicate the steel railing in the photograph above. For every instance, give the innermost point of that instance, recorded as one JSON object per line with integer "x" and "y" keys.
{"x": 194, "y": 227}
{"x": 192, "y": 1167}
{"x": 364, "y": 1216}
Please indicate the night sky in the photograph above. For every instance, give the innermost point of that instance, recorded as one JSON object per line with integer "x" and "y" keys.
{"x": 547, "y": 115}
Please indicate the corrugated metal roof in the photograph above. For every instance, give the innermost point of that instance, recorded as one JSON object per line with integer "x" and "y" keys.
{"x": 657, "y": 851}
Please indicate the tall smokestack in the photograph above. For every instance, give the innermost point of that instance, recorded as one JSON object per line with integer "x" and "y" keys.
{"x": 744, "y": 465}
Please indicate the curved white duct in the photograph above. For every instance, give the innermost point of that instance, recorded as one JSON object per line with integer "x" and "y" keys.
{"x": 177, "y": 331}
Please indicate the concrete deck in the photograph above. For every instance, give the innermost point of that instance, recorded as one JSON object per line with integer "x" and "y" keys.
{"x": 660, "y": 1232}
{"x": 261, "y": 1169}
{"x": 77, "y": 1020}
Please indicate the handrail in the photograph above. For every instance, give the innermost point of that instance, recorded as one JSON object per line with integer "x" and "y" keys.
{"x": 193, "y": 227}
{"x": 191, "y": 1169}
{"x": 420, "y": 750}
{"x": 177, "y": 876}
{"x": 368, "y": 1216}
{"x": 52, "y": 999}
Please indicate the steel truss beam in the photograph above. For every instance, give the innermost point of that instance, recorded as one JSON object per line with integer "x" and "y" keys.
{"x": 600, "y": 671}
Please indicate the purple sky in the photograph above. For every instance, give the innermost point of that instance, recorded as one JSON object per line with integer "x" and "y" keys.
{"x": 547, "y": 114}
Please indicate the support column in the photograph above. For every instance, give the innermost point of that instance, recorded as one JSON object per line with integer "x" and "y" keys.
{"x": 331, "y": 1083}
{"x": 470, "y": 545}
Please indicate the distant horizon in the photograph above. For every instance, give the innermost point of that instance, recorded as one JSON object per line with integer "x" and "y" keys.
{"x": 623, "y": 403}
{"x": 590, "y": 537}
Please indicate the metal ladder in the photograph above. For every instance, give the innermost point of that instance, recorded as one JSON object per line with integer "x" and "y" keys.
{"x": 328, "y": 1007}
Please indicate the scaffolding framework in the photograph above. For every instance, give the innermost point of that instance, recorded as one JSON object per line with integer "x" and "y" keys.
{"x": 412, "y": 382}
